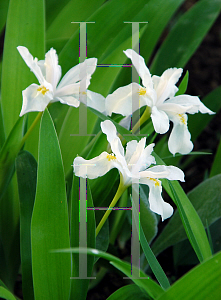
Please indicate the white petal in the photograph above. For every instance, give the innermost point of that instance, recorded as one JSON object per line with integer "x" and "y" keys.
{"x": 69, "y": 100}
{"x": 130, "y": 149}
{"x": 68, "y": 90}
{"x": 93, "y": 168}
{"x": 179, "y": 140}
{"x": 138, "y": 157}
{"x": 120, "y": 101}
{"x": 53, "y": 70}
{"x": 78, "y": 72}
{"x": 194, "y": 102}
{"x": 174, "y": 108}
{"x": 125, "y": 122}
{"x": 160, "y": 120}
{"x": 161, "y": 171}
{"x": 157, "y": 204}
{"x": 96, "y": 101}
{"x": 109, "y": 129}
{"x": 31, "y": 63}
{"x": 146, "y": 159}
{"x": 34, "y": 100}
{"x": 139, "y": 64}
{"x": 165, "y": 85}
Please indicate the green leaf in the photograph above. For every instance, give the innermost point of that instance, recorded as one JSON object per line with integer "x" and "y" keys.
{"x": 3, "y": 13}
{"x": 183, "y": 85}
{"x": 192, "y": 236}
{"x": 207, "y": 202}
{"x": 158, "y": 15}
{"x": 202, "y": 282}
{"x": 5, "y": 294}
{"x": 24, "y": 27}
{"x": 9, "y": 236}
{"x": 216, "y": 167}
{"x": 151, "y": 287}
{"x": 73, "y": 11}
{"x": 79, "y": 286}
{"x": 186, "y": 36}
{"x": 148, "y": 218}
{"x": 2, "y": 130}
{"x": 8, "y": 153}
{"x": 26, "y": 169}
{"x": 69, "y": 127}
{"x": 129, "y": 292}
{"x": 49, "y": 227}
{"x": 155, "y": 266}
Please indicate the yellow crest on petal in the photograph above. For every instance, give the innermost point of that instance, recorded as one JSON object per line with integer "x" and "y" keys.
{"x": 142, "y": 91}
{"x": 182, "y": 118}
{"x": 110, "y": 157}
{"x": 42, "y": 89}
{"x": 156, "y": 181}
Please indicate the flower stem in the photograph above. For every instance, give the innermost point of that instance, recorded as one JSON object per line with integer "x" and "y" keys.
{"x": 120, "y": 190}
{"x": 145, "y": 116}
{"x": 31, "y": 128}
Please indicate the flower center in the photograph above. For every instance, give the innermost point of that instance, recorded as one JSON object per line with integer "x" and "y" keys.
{"x": 156, "y": 181}
{"x": 43, "y": 89}
{"x": 142, "y": 91}
{"x": 111, "y": 156}
{"x": 182, "y": 118}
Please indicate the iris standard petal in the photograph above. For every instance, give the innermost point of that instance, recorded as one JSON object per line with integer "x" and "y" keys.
{"x": 53, "y": 70}
{"x": 160, "y": 120}
{"x": 31, "y": 63}
{"x": 139, "y": 64}
{"x": 34, "y": 100}
{"x": 78, "y": 72}
{"x": 120, "y": 101}
{"x": 96, "y": 101}
{"x": 165, "y": 85}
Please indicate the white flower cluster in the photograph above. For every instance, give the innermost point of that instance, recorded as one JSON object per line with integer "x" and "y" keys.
{"x": 157, "y": 93}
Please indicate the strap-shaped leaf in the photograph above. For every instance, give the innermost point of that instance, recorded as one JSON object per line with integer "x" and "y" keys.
{"x": 24, "y": 27}
{"x": 202, "y": 282}
{"x": 186, "y": 36}
{"x": 50, "y": 227}
{"x": 79, "y": 286}
{"x": 26, "y": 169}
{"x": 150, "y": 286}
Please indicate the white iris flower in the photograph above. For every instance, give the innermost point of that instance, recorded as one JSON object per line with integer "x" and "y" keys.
{"x": 158, "y": 93}
{"x": 133, "y": 167}
{"x": 68, "y": 91}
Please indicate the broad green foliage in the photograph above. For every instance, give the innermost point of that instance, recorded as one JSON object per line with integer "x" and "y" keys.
{"x": 49, "y": 227}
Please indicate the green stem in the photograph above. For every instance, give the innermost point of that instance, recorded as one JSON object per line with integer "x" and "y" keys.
{"x": 145, "y": 116}
{"x": 120, "y": 190}
{"x": 31, "y": 128}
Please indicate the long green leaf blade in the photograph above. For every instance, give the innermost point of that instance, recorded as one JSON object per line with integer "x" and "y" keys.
{"x": 203, "y": 282}
{"x": 50, "y": 228}
{"x": 151, "y": 287}
{"x": 129, "y": 292}
{"x": 79, "y": 286}
{"x": 26, "y": 169}
{"x": 9, "y": 152}
{"x": 186, "y": 36}
{"x": 24, "y": 27}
